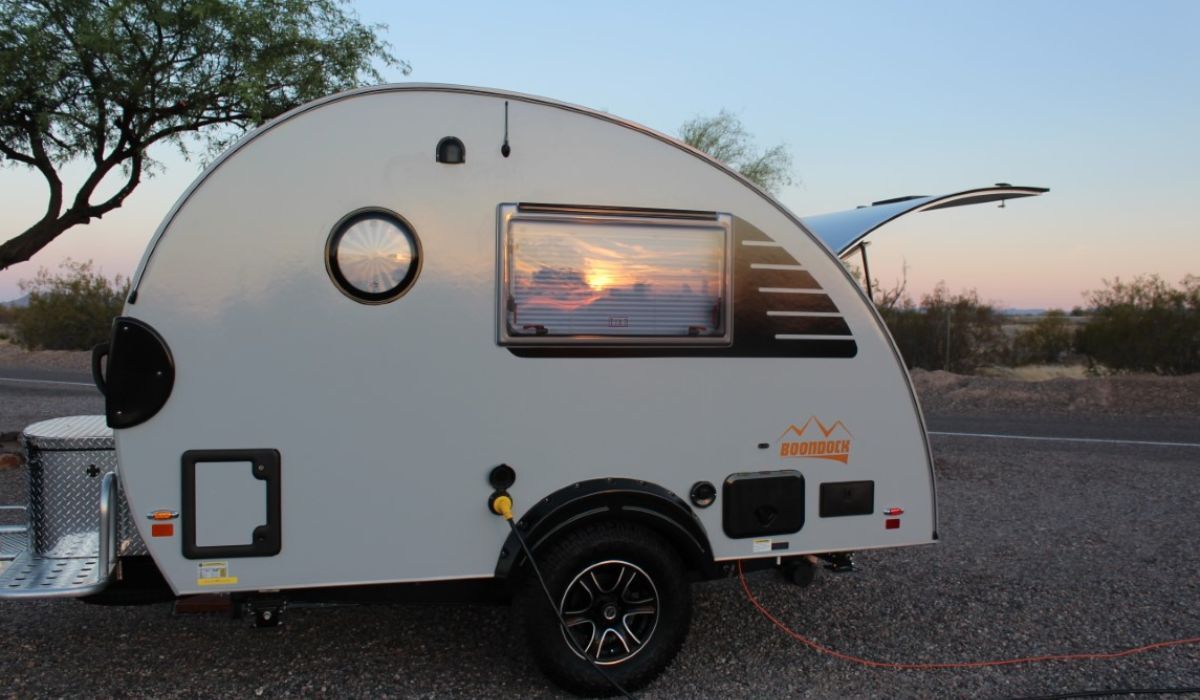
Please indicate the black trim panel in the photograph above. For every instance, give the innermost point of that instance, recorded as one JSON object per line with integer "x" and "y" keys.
{"x": 603, "y": 210}
{"x": 616, "y": 498}
{"x": 798, "y": 301}
{"x": 841, "y": 498}
{"x": 790, "y": 279}
{"x": 140, "y": 374}
{"x": 762, "y": 503}
{"x": 811, "y": 325}
{"x": 267, "y": 539}
{"x": 796, "y": 348}
{"x": 763, "y": 255}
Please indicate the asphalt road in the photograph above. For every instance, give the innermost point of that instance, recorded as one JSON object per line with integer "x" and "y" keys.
{"x": 30, "y": 395}
{"x": 1047, "y": 547}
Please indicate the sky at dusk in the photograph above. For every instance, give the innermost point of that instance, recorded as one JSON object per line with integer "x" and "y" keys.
{"x": 1099, "y": 101}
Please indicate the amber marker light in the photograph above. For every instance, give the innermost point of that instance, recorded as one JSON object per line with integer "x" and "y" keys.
{"x": 163, "y": 515}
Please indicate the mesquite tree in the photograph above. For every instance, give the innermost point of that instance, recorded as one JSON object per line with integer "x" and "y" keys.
{"x": 723, "y": 137}
{"x": 104, "y": 80}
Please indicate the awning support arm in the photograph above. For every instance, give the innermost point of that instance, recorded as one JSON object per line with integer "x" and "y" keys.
{"x": 862, "y": 249}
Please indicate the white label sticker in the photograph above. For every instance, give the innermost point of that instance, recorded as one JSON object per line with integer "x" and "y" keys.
{"x": 214, "y": 573}
{"x": 762, "y": 545}
{"x": 214, "y": 569}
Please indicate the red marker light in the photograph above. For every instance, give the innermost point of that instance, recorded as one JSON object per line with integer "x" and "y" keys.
{"x": 892, "y": 524}
{"x": 162, "y": 530}
{"x": 894, "y": 511}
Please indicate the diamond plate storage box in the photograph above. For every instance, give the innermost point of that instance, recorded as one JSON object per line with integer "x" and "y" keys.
{"x": 68, "y": 458}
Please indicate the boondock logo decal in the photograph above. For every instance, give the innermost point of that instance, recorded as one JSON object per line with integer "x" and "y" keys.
{"x": 814, "y": 440}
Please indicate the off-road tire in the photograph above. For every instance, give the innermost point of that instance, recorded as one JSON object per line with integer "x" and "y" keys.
{"x": 566, "y": 558}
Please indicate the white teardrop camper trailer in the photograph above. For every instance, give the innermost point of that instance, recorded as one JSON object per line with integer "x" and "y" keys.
{"x": 389, "y": 313}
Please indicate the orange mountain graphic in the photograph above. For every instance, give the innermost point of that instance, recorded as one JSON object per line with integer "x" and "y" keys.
{"x": 825, "y": 432}
{"x": 820, "y": 443}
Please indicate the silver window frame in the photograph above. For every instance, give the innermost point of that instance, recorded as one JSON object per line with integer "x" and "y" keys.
{"x": 511, "y": 213}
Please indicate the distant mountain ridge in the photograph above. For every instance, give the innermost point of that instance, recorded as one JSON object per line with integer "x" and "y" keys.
{"x": 18, "y": 303}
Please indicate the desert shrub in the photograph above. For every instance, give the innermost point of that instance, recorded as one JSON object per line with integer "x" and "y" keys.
{"x": 955, "y": 332}
{"x": 1144, "y": 326}
{"x": 1044, "y": 343}
{"x": 70, "y": 310}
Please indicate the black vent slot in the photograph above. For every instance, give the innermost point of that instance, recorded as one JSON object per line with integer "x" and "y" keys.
{"x": 847, "y": 498}
{"x": 763, "y": 503}
{"x": 139, "y": 376}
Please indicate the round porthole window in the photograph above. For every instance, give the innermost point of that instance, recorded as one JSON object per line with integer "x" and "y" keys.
{"x": 373, "y": 256}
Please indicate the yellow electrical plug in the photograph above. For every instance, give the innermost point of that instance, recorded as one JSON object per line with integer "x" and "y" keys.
{"x": 502, "y": 505}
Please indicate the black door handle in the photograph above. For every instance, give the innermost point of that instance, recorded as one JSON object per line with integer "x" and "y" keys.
{"x": 98, "y": 354}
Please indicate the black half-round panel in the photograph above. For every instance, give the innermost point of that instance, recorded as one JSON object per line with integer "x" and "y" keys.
{"x": 140, "y": 374}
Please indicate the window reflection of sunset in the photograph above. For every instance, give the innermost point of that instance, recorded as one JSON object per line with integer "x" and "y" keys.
{"x": 599, "y": 278}
{"x": 646, "y": 280}
{"x": 607, "y": 265}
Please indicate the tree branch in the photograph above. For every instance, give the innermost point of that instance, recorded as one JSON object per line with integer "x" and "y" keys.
{"x": 13, "y": 154}
{"x": 95, "y": 211}
{"x": 44, "y": 165}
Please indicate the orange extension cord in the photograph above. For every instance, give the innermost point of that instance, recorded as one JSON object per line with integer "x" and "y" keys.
{"x": 962, "y": 664}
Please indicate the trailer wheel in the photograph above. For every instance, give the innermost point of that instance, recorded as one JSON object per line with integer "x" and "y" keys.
{"x": 621, "y": 592}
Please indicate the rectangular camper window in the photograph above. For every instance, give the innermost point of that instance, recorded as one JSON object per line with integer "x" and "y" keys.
{"x": 613, "y": 277}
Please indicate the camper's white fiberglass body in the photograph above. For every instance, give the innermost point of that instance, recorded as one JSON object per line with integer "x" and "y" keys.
{"x": 364, "y": 307}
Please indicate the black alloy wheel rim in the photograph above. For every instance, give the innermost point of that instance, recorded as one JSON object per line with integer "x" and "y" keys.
{"x": 610, "y": 610}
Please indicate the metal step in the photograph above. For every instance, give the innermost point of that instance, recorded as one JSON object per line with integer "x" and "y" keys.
{"x": 31, "y": 576}
{"x": 13, "y": 538}
{"x": 85, "y": 569}
{"x": 12, "y": 542}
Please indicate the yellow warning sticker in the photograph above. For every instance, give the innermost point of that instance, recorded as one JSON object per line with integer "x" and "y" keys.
{"x": 215, "y": 573}
{"x": 763, "y": 545}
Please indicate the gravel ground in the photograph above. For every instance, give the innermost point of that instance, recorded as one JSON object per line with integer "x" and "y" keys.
{"x": 1046, "y": 548}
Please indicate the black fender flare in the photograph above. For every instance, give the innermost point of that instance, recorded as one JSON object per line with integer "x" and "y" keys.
{"x": 632, "y": 500}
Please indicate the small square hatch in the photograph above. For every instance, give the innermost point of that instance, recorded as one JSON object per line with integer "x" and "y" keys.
{"x": 231, "y": 503}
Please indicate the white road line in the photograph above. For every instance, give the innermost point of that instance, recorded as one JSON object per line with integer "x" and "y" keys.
{"x": 45, "y": 381}
{"x": 1104, "y": 441}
